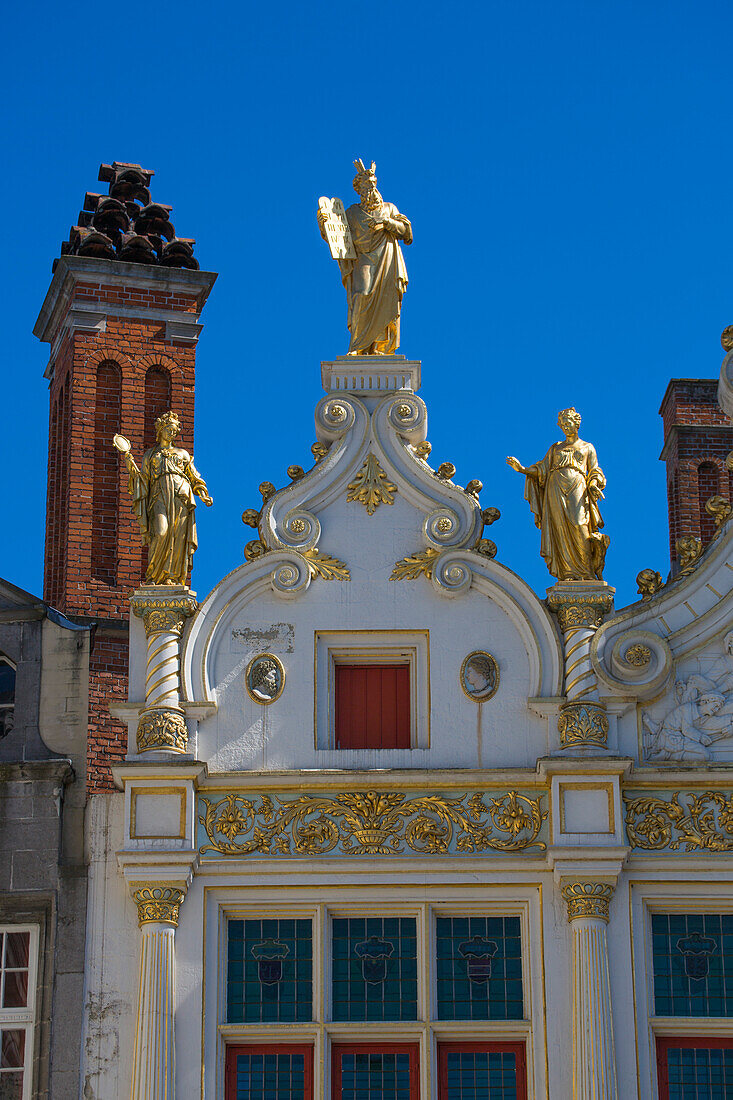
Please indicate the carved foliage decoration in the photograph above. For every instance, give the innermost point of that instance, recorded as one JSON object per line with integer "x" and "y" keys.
{"x": 685, "y": 821}
{"x": 162, "y": 730}
{"x": 371, "y": 823}
{"x": 371, "y": 486}
{"x": 419, "y": 564}
{"x": 158, "y": 902}
{"x": 324, "y": 566}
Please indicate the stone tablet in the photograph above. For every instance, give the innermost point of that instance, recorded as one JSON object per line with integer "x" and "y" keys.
{"x": 337, "y": 229}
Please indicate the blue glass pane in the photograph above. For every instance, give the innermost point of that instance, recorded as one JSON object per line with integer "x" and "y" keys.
{"x": 374, "y": 968}
{"x": 269, "y": 971}
{"x": 375, "y": 1076}
{"x": 481, "y": 1075}
{"x": 479, "y": 968}
{"x": 700, "y": 1073}
{"x": 270, "y": 1077}
{"x": 693, "y": 964}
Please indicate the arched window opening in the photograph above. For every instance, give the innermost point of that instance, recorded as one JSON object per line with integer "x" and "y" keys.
{"x": 673, "y": 512}
{"x": 708, "y": 485}
{"x": 105, "y": 493}
{"x": 157, "y": 400}
{"x": 7, "y": 695}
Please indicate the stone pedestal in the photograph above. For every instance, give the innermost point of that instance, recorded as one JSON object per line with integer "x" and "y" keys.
{"x": 594, "y": 1063}
{"x": 154, "y": 1057}
{"x": 164, "y": 610}
{"x": 370, "y": 375}
{"x": 580, "y": 607}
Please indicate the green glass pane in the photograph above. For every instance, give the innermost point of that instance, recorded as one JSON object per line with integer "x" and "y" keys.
{"x": 478, "y": 1075}
{"x": 270, "y": 1077}
{"x": 479, "y": 968}
{"x": 374, "y": 968}
{"x": 269, "y": 971}
{"x": 692, "y": 960}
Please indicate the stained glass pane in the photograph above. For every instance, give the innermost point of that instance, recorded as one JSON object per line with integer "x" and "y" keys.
{"x": 11, "y": 1086}
{"x": 269, "y": 971}
{"x": 12, "y": 1050}
{"x": 270, "y": 1076}
{"x": 700, "y": 1073}
{"x": 481, "y": 1075}
{"x": 371, "y": 1075}
{"x": 374, "y": 968}
{"x": 693, "y": 964}
{"x": 479, "y": 968}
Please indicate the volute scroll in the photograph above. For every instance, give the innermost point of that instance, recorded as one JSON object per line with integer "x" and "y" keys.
{"x": 637, "y": 662}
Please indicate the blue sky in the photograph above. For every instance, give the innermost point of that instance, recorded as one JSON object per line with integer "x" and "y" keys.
{"x": 567, "y": 168}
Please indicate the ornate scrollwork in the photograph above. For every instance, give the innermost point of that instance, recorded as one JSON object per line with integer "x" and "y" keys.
{"x": 574, "y": 616}
{"x": 701, "y": 823}
{"x": 588, "y": 899}
{"x": 371, "y": 823}
{"x": 719, "y": 508}
{"x": 158, "y": 902}
{"x": 371, "y": 486}
{"x": 582, "y": 724}
{"x": 419, "y": 564}
{"x": 162, "y": 731}
{"x": 442, "y": 526}
{"x": 451, "y": 575}
{"x": 408, "y": 416}
{"x": 649, "y": 582}
{"x": 689, "y": 551}
{"x": 638, "y": 655}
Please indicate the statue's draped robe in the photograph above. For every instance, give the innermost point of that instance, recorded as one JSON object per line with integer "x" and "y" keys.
{"x": 376, "y": 280}
{"x": 163, "y": 498}
{"x": 564, "y": 510}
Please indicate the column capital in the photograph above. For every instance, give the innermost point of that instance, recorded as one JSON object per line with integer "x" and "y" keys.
{"x": 588, "y": 899}
{"x": 582, "y": 724}
{"x": 580, "y": 604}
{"x": 158, "y": 902}
{"x": 163, "y": 608}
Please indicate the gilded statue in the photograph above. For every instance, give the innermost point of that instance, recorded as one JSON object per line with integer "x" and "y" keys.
{"x": 365, "y": 239}
{"x": 563, "y": 492}
{"x": 163, "y": 492}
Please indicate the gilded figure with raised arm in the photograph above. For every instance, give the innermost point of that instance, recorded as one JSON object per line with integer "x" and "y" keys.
{"x": 563, "y": 491}
{"x": 365, "y": 239}
{"x": 163, "y": 492}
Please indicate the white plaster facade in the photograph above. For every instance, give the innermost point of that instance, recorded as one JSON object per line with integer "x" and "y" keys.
{"x": 589, "y": 1025}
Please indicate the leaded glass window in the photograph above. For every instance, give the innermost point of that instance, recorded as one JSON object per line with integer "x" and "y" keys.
{"x": 479, "y": 968}
{"x": 693, "y": 964}
{"x": 269, "y": 1073}
{"x": 481, "y": 1075}
{"x": 374, "y": 968}
{"x": 695, "y": 1069}
{"x": 382, "y": 1072}
{"x": 269, "y": 971}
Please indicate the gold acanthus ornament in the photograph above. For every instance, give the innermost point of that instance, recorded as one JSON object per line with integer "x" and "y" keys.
{"x": 162, "y": 730}
{"x": 563, "y": 490}
{"x": 158, "y": 902}
{"x": 719, "y": 508}
{"x": 163, "y": 614}
{"x": 163, "y": 492}
{"x": 689, "y": 550}
{"x": 371, "y": 486}
{"x": 581, "y": 724}
{"x": 649, "y": 582}
{"x": 699, "y": 823}
{"x": 371, "y": 823}
{"x": 588, "y": 899}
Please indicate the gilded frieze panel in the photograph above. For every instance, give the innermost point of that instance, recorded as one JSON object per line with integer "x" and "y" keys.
{"x": 680, "y": 821}
{"x": 361, "y": 823}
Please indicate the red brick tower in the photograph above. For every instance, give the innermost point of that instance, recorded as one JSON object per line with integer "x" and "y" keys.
{"x": 122, "y": 318}
{"x": 697, "y": 438}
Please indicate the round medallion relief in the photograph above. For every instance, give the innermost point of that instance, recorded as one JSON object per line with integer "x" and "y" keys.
{"x": 265, "y": 678}
{"x": 479, "y": 676}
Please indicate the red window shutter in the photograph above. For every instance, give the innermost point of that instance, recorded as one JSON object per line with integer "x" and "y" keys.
{"x": 372, "y": 707}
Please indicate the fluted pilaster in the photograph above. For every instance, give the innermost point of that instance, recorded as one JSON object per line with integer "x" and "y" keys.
{"x": 594, "y": 1063}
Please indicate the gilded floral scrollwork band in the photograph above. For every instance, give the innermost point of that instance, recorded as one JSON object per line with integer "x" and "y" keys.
{"x": 371, "y": 823}
{"x": 588, "y": 899}
{"x": 162, "y": 729}
{"x": 158, "y": 902}
{"x": 685, "y": 821}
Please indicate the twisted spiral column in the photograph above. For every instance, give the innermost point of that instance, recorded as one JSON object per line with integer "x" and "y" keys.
{"x": 580, "y": 609}
{"x": 594, "y": 1060}
{"x": 162, "y": 725}
{"x": 154, "y": 1056}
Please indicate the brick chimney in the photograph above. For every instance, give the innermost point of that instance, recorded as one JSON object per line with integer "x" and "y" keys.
{"x": 697, "y": 438}
{"x": 121, "y": 317}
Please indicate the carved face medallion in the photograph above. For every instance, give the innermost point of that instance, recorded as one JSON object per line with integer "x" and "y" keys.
{"x": 265, "y": 678}
{"x": 479, "y": 676}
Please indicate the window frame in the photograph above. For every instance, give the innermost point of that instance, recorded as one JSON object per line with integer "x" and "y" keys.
{"x": 374, "y": 1047}
{"x": 486, "y": 1046}
{"x": 235, "y": 1049}
{"x": 24, "y": 1019}
{"x": 365, "y": 647}
{"x": 682, "y": 1042}
{"x": 7, "y": 710}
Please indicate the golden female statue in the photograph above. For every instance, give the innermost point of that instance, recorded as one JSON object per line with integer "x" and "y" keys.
{"x": 563, "y": 490}
{"x": 162, "y": 494}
